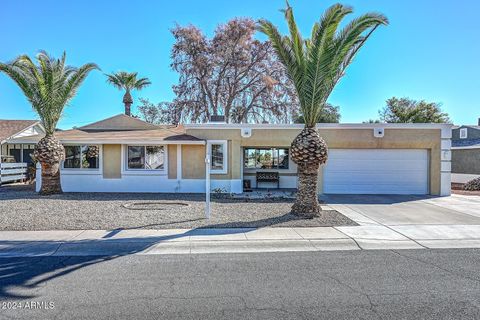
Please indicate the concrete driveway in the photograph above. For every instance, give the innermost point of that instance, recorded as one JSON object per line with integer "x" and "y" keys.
{"x": 394, "y": 210}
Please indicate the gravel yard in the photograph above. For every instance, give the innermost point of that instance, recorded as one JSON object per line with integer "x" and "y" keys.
{"x": 22, "y": 209}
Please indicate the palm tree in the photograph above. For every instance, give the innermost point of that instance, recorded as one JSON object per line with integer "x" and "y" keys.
{"x": 127, "y": 81}
{"x": 49, "y": 86}
{"x": 315, "y": 66}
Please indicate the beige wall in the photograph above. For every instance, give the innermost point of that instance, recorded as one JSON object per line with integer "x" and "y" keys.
{"x": 172, "y": 161}
{"x": 112, "y": 161}
{"x": 429, "y": 139}
{"x": 193, "y": 162}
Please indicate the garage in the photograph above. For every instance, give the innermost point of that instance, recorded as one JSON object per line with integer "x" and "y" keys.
{"x": 376, "y": 171}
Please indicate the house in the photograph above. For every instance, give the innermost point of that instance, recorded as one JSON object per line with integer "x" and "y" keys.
{"x": 12, "y": 129}
{"x": 15, "y": 157}
{"x": 465, "y": 153}
{"x": 124, "y": 154}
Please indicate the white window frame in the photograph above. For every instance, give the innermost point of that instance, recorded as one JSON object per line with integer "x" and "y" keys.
{"x": 224, "y": 143}
{"x": 128, "y": 171}
{"x": 283, "y": 170}
{"x": 84, "y": 170}
{"x": 463, "y": 133}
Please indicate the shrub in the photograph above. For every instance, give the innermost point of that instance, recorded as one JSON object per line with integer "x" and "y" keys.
{"x": 472, "y": 185}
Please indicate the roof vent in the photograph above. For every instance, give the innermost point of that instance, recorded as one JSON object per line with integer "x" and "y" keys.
{"x": 217, "y": 118}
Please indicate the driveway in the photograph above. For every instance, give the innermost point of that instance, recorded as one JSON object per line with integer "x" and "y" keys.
{"x": 394, "y": 210}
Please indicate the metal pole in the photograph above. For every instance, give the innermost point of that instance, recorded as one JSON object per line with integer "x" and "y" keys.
{"x": 207, "y": 183}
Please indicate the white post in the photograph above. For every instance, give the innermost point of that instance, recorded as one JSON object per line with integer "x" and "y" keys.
{"x": 1, "y": 147}
{"x": 207, "y": 183}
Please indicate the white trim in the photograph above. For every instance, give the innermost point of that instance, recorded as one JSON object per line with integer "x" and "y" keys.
{"x": 463, "y": 133}
{"x": 463, "y": 177}
{"x": 446, "y": 144}
{"x": 292, "y": 167}
{"x": 445, "y": 166}
{"x": 445, "y": 183}
{"x": 224, "y": 143}
{"x": 30, "y": 126}
{"x": 105, "y": 141}
{"x": 477, "y": 146}
{"x": 179, "y": 162}
{"x": 446, "y": 155}
{"x": 143, "y": 172}
{"x": 445, "y": 126}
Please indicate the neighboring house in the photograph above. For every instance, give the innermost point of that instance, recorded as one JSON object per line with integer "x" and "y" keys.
{"x": 465, "y": 153}
{"x": 124, "y": 154}
{"x": 15, "y": 157}
{"x": 12, "y": 129}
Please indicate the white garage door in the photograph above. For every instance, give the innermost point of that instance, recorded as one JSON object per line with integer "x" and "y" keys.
{"x": 376, "y": 171}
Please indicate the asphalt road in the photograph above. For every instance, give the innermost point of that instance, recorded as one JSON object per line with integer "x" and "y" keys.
{"x": 417, "y": 284}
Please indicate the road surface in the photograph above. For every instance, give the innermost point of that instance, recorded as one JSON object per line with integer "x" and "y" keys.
{"x": 404, "y": 284}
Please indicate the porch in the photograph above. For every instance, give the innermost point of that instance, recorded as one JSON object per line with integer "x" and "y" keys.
{"x": 14, "y": 162}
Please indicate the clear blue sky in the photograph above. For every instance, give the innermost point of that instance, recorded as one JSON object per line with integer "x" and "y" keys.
{"x": 430, "y": 50}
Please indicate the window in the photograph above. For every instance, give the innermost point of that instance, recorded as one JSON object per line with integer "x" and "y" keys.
{"x": 266, "y": 158}
{"x": 218, "y": 156}
{"x": 81, "y": 157}
{"x": 146, "y": 157}
{"x": 463, "y": 133}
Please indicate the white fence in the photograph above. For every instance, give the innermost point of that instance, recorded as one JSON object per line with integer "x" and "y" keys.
{"x": 12, "y": 172}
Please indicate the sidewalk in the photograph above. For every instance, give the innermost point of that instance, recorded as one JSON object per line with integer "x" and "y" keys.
{"x": 195, "y": 241}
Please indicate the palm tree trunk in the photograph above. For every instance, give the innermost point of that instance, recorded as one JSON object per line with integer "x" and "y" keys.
{"x": 49, "y": 152}
{"x": 127, "y": 101}
{"x": 50, "y": 178}
{"x": 308, "y": 151}
{"x": 306, "y": 203}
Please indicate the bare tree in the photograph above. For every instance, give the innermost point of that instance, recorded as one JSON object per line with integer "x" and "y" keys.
{"x": 161, "y": 113}
{"x": 231, "y": 74}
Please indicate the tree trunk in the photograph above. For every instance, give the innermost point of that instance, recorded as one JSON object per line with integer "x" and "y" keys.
{"x": 306, "y": 204}
{"x": 127, "y": 101}
{"x": 50, "y": 178}
{"x": 308, "y": 151}
{"x": 49, "y": 152}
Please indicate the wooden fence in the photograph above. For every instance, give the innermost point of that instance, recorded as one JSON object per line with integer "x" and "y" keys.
{"x": 12, "y": 172}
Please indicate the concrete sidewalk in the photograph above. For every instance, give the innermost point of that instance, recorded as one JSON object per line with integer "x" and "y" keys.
{"x": 195, "y": 241}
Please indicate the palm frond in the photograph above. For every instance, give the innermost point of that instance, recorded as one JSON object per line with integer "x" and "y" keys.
{"x": 315, "y": 65}
{"x": 127, "y": 81}
{"x": 49, "y": 85}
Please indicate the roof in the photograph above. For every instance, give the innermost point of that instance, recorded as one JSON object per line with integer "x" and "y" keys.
{"x": 467, "y": 126}
{"x": 162, "y": 134}
{"x": 9, "y": 128}
{"x": 214, "y": 125}
{"x": 120, "y": 122}
{"x": 466, "y": 143}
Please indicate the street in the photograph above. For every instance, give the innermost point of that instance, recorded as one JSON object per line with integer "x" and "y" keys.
{"x": 376, "y": 284}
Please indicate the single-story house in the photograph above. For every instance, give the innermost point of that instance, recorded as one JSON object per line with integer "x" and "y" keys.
{"x": 15, "y": 157}
{"x": 124, "y": 154}
{"x": 465, "y": 153}
{"x": 13, "y": 129}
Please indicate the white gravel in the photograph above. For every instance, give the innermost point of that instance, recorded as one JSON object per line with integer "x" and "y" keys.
{"x": 23, "y": 209}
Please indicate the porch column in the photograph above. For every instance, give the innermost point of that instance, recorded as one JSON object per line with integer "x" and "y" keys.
{"x": 179, "y": 162}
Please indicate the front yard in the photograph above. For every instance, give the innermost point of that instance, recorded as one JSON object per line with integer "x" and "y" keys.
{"x": 22, "y": 209}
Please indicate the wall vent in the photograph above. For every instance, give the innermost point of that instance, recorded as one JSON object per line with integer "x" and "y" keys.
{"x": 378, "y": 132}
{"x": 246, "y": 132}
